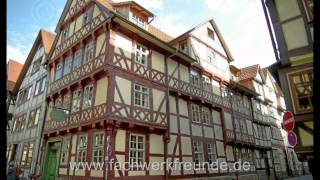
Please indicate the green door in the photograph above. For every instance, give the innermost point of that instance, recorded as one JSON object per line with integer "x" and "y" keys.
{"x": 51, "y": 161}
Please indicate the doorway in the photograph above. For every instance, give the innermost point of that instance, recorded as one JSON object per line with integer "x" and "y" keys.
{"x": 51, "y": 161}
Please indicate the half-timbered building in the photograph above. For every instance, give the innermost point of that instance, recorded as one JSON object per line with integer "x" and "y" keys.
{"x": 135, "y": 94}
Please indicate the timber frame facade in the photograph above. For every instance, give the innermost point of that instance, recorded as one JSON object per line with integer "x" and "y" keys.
{"x": 133, "y": 94}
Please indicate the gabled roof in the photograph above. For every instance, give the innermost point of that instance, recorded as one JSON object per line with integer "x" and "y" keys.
{"x": 45, "y": 38}
{"x": 13, "y": 70}
{"x": 216, "y": 29}
{"x": 248, "y": 73}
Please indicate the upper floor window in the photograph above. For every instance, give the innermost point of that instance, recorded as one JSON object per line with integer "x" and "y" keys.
{"x": 58, "y": 72}
{"x": 206, "y": 83}
{"x": 87, "y": 17}
{"x": 205, "y": 115}
{"x": 34, "y": 117}
{"x": 76, "y": 98}
{"x": 40, "y": 85}
{"x": 210, "y": 33}
{"x": 24, "y": 95}
{"x": 67, "y": 65}
{"x": 138, "y": 21}
{"x": 211, "y": 56}
{"x": 196, "y": 113}
{"x": 77, "y": 59}
{"x": 301, "y": 84}
{"x": 195, "y": 78}
{"x": 66, "y": 101}
{"x": 65, "y": 150}
{"x": 87, "y": 96}
{"x": 224, "y": 92}
{"x": 36, "y": 66}
{"x": 183, "y": 46}
{"x": 88, "y": 52}
{"x": 98, "y": 147}
{"x": 136, "y": 150}
{"x": 65, "y": 33}
{"x": 82, "y": 148}
{"x": 198, "y": 152}
{"x": 141, "y": 55}
{"x": 211, "y": 152}
{"x": 141, "y": 95}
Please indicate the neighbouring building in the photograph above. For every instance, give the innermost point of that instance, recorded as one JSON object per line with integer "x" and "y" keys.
{"x": 291, "y": 30}
{"x": 13, "y": 71}
{"x": 23, "y": 138}
{"x": 134, "y": 94}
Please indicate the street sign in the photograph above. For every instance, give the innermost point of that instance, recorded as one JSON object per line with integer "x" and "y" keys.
{"x": 288, "y": 121}
{"x": 58, "y": 115}
{"x": 292, "y": 139}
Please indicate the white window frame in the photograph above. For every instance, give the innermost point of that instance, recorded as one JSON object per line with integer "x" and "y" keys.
{"x": 195, "y": 78}
{"x": 205, "y": 114}
{"x": 58, "y": 71}
{"x": 137, "y": 150}
{"x": 88, "y": 52}
{"x": 77, "y": 58}
{"x": 141, "y": 55}
{"x": 76, "y": 101}
{"x": 212, "y": 155}
{"x": 82, "y": 148}
{"x": 67, "y": 67}
{"x": 143, "y": 93}
{"x": 196, "y": 113}
{"x": 198, "y": 153}
{"x": 87, "y": 96}
{"x": 98, "y": 147}
{"x": 65, "y": 150}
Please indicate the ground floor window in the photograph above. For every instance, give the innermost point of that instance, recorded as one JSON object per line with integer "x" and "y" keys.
{"x": 98, "y": 147}
{"x": 65, "y": 151}
{"x": 82, "y": 148}
{"x": 198, "y": 152}
{"x": 136, "y": 149}
{"x": 26, "y": 157}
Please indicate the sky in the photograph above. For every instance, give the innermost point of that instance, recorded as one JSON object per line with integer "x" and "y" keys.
{"x": 241, "y": 22}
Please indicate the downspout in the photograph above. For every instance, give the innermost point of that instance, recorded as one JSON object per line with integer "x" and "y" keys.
{"x": 168, "y": 107}
{"x": 152, "y": 18}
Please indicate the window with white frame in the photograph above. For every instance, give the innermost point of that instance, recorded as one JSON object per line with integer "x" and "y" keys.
{"x": 196, "y": 113}
{"x": 141, "y": 95}
{"x": 183, "y": 46}
{"x": 26, "y": 157}
{"x": 87, "y": 17}
{"x": 34, "y": 117}
{"x": 211, "y": 153}
{"x": 141, "y": 55}
{"x": 82, "y": 148}
{"x": 65, "y": 150}
{"x": 77, "y": 59}
{"x": 243, "y": 126}
{"x": 195, "y": 78}
{"x": 87, "y": 96}
{"x": 136, "y": 150}
{"x": 58, "y": 72}
{"x": 67, "y": 65}
{"x": 76, "y": 98}
{"x": 65, "y": 33}
{"x": 138, "y": 21}
{"x": 205, "y": 115}
{"x": 211, "y": 55}
{"x": 36, "y": 65}
{"x": 198, "y": 152}
{"x": 98, "y": 147}
{"x": 40, "y": 85}
{"x": 88, "y": 52}
{"x": 206, "y": 83}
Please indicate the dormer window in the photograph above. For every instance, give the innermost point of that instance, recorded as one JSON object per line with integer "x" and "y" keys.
{"x": 138, "y": 21}
{"x": 210, "y": 34}
{"x": 183, "y": 46}
{"x": 87, "y": 16}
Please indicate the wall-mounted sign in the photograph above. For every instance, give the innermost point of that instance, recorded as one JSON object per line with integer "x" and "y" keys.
{"x": 292, "y": 139}
{"x": 288, "y": 121}
{"x": 58, "y": 115}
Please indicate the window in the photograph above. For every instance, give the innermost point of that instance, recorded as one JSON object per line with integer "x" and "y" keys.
{"x": 141, "y": 96}
{"x": 65, "y": 33}
{"x": 211, "y": 56}
{"x": 34, "y": 117}
{"x": 66, "y": 101}
{"x": 88, "y": 52}
{"x": 87, "y": 96}
{"x": 22, "y": 122}
{"x": 65, "y": 151}
{"x": 205, "y": 115}
{"x": 195, "y": 113}
{"x": 98, "y": 147}
{"x": 76, "y": 98}
{"x": 82, "y": 148}
{"x": 24, "y": 95}
{"x": 210, "y": 33}
{"x": 87, "y": 17}
{"x": 67, "y": 65}
{"x": 26, "y": 154}
{"x": 58, "y": 73}
{"x": 36, "y": 66}
{"x": 29, "y": 90}
{"x": 211, "y": 153}
{"x": 243, "y": 126}
{"x": 198, "y": 152}
{"x": 301, "y": 84}
{"x": 77, "y": 59}
{"x": 237, "y": 124}
{"x": 183, "y": 46}
{"x": 136, "y": 150}
{"x": 138, "y": 21}
{"x": 224, "y": 92}
{"x": 141, "y": 55}
{"x": 40, "y": 85}
{"x": 195, "y": 78}
{"x": 206, "y": 83}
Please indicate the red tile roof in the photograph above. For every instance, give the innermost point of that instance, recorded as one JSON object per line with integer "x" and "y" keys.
{"x": 13, "y": 70}
{"x": 249, "y": 72}
{"x": 159, "y": 34}
{"x": 47, "y": 39}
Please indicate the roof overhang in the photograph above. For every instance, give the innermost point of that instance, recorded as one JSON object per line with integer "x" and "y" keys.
{"x": 242, "y": 88}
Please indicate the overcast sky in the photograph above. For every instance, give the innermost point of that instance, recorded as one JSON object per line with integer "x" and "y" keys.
{"x": 241, "y": 22}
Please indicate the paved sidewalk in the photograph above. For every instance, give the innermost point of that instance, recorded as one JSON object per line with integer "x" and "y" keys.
{"x": 306, "y": 177}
